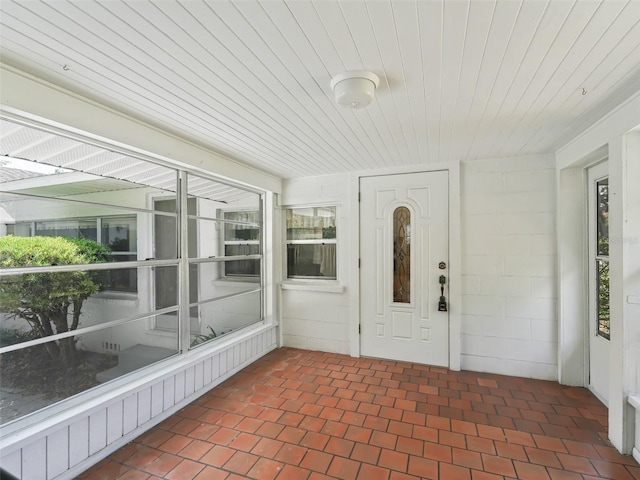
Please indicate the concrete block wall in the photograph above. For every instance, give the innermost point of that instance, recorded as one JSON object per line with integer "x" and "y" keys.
{"x": 316, "y": 320}
{"x": 316, "y": 314}
{"x": 509, "y": 320}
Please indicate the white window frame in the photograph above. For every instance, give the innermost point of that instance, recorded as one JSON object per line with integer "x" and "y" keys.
{"x": 322, "y": 241}
{"x": 223, "y": 242}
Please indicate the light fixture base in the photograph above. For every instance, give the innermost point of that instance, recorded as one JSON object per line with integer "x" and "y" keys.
{"x": 354, "y": 89}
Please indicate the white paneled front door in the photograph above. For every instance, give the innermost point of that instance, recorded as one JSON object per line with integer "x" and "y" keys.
{"x": 403, "y": 242}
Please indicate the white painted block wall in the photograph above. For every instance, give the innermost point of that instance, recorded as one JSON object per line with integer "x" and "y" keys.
{"x": 316, "y": 315}
{"x": 509, "y": 321}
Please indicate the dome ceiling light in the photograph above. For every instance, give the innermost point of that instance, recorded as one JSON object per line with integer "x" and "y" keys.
{"x": 354, "y": 89}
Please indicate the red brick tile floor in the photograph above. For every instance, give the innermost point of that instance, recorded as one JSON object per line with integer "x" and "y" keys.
{"x": 302, "y": 415}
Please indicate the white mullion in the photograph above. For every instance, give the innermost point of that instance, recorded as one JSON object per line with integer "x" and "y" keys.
{"x": 99, "y": 230}
{"x": 183, "y": 265}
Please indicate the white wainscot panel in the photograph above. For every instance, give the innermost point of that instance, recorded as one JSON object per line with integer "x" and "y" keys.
{"x": 76, "y": 443}
{"x": 34, "y": 460}
{"x": 57, "y": 453}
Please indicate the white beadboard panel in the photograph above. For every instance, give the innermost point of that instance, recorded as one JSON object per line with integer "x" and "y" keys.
{"x": 130, "y": 413}
{"x": 115, "y": 415}
{"x": 206, "y": 373}
{"x": 34, "y": 460}
{"x": 179, "y": 387}
{"x": 78, "y": 441}
{"x": 58, "y": 453}
{"x": 190, "y": 379}
{"x": 12, "y": 462}
{"x": 215, "y": 366}
{"x": 97, "y": 431}
{"x": 157, "y": 398}
{"x": 462, "y": 80}
{"x": 222, "y": 362}
{"x": 69, "y": 448}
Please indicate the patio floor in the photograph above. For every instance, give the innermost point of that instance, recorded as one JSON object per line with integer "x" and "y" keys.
{"x": 302, "y": 415}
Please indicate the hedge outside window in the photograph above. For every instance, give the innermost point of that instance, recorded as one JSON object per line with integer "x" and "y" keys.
{"x": 118, "y": 233}
{"x": 311, "y": 242}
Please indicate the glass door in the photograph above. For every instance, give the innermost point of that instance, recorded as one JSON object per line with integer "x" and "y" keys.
{"x": 599, "y": 318}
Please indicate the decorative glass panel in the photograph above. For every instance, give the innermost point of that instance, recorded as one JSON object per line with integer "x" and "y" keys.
{"x": 401, "y": 255}
{"x": 603, "y": 298}
{"x": 602, "y": 187}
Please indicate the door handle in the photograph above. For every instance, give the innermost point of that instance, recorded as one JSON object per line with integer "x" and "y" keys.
{"x": 442, "y": 304}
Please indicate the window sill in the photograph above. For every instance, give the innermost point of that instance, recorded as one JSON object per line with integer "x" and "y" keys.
{"x": 330, "y": 286}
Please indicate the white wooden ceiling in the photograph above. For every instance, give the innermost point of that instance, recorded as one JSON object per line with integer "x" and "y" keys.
{"x": 460, "y": 80}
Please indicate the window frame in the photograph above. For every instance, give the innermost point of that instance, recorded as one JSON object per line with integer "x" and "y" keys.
{"x": 319, "y": 241}
{"x": 145, "y": 239}
{"x": 223, "y": 243}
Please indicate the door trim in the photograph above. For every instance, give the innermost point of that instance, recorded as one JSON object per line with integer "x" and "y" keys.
{"x": 593, "y": 173}
{"x": 454, "y": 270}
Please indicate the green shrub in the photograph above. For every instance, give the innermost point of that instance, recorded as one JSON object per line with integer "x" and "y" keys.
{"x": 50, "y": 302}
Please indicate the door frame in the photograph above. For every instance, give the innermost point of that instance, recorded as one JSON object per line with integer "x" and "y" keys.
{"x": 592, "y": 173}
{"x": 454, "y": 270}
